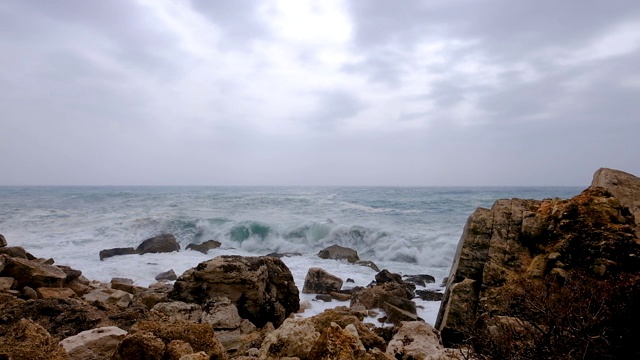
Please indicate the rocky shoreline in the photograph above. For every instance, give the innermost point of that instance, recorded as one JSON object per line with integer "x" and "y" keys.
{"x": 557, "y": 252}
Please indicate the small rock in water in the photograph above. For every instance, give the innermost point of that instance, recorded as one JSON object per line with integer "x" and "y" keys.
{"x": 3, "y": 241}
{"x": 164, "y": 243}
{"x": 350, "y": 280}
{"x": 107, "y": 253}
{"x": 324, "y": 297}
{"x": 318, "y": 281}
{"x": 169, "y": 275}
{"x": 205, "y": 246}
{"x": 421, "y": 280}
{"x": 337, "y": 252}
{"x": 429, "y": 295}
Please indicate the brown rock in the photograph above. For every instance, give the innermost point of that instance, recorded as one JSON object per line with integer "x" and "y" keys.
{"x": 28, "y": 340}
{"x": 262, "y": 288}
{"x": 142, "y": 345}
{"x": 422, "y": 279}
{"x": 369, "y": 264}
{"x": 205, "y": 246}
{"x": 14, "y": 252}
{"x": 319, "y": 281}
{"x": 169, "y": 275}
{"x": 369, "y": 339}
{"x": 336, "y": 343}
{"x": 370, "y": 297}
{"x": 385, "y": 276}
{"x": 337, "y": 252}
{"x": 417, "y": 340}
{"x": 6, "y": 283}
{"x": 107, "y": 253}
{"x": 96, "y": 344}
{"x": 159, "y": 244}
{"x": 625, "y": 187}
{"x": 32, "y": 274}
{"x": 176, "y": 349}
{"x": 3, "y": 241}
{"x": 55, "y": 293}
{"x": 178, "y": 310}
{"x": 340, "y": 296}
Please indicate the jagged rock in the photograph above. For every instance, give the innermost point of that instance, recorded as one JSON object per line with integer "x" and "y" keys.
{"x": 142, "y": 345}
{"x": 222, "y": 315}
{"x": 369, "y": 264}
{"x": 55, "y": 293}
{"x": 262, "y": 288}
{"x": 205, "y": 246}
{"x": 398, "y": 309}
{"x": 421, "y": 280}
{"x": 385, "y": 276}
{"x": 336, "y": 343}
{"x": 169, "y": 275}
{"x": 156, "y": 293}
{"x": 126, "y": 285}
{"x": 295, "y": 337}
{"x": 33, "y": 274}
{"x": 97, "y": 344}
{"x": 176, "y": 349}
{"x": 338, "y": 252}
{"x": 109, "y": 296}
{"x": 107, "y": 253}
{"x": 591, "y": 233}
{"x": 429, "y": 295}
{"x": 369, "y": 339}
{"x": 27, "y": 340}
{"x": 196, "y": 356}
{"x": 159, "y": 244}
{"x": 78, "y": 287}
{"x": 416, "y": 340}
{"x": 319, "y": 281}
{"x": 14, "y": 252}
{"x": 625, "y": 187}
{"x": 179, "y": 310}
{"x": 72, "y": 274}
{"x": 3, "y": 241}
{"x": 370, "y": 297}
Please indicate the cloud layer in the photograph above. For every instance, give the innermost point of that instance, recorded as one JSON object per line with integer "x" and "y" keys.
{"x": 290, "y": 92}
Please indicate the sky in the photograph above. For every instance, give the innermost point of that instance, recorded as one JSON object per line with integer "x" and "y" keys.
{"x": 297, "y": 92}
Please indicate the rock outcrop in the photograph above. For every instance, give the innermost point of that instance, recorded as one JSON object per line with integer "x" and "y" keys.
{"x": 319, "y": 281}
{"x": 159, "y": 244}
{"x": 27, "y": 340}
{"x": 338, "y": 252}
{"x": 262, "y": 288}
{"x": 592, "y": 233}
{"x": 98, "y": 344}
{"x": 107, "y": 253}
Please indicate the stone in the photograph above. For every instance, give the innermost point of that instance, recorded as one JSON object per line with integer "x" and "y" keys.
{"x": 262, "y": 288}
{"x": 27, "y": 340}
{"x": 107, "y": 253}
{"x": 429, "y": 295}
{"x": 385, "y": 276}
{"x": 319, "y": 281}
{"x": 416, "y": 340}
{"x": 369, "y": 264}
{"x": 345, "y": 318}
{"x": 336, "y": 343}
{"x": 99, "y": 343}
{"x": 340, "y": 296}
{"x": 72, "y": 274}
{"x": 55, "y": 293}
{"x": 421, "y": 280}
{"x": 153, "y": 295}
{"x": 324, "y": 297}
{"x": 370, "y": 297}
{"x": 196, "y": 356}
{"x": 33, "y": 274}
{"x": 338, "y": 252}
{"x": 179, "y": 310}
{"x": 176, "y": 349}
{"x": 14, "y": 252}
{"x": 222, "y": 315}
{"x": 625, "y": 187}
{"x": 281, "y": 255}
{"x": 126, "y": 285}
{"x": 295, "y": 337}
{"x": 6, "y": 283}
{"x": 29, "y": 293}
{"x": 205, "y": 246}
{"x": 3, "y": 241}
{"x": 142, "y": 345}
{"x": 109, "y": 296}
{"x": 159, "y": 244}
{"x": 168, "y": 275}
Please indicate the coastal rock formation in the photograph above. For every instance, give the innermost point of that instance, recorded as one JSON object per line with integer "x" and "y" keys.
{"x": 98, "y": 344}
{"x": 168, "y": 275}
{"x": 107, "y": 253}
{"x": 27, "y": 340}
{"x": 205, "y": 246}
{"x": 262, "y": 288}
{"x": 159, "y": 244}
{"x": 3, "y": 241}
{"x": 319, "y": 281}
{"x": 529, "y": 241}
{"x": 338, "y": 252}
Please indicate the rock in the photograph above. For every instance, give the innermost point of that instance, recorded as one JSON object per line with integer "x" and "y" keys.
{"x": 30, "y": 273}
{"x": 336, "y": 343}
{"x": 28, "y": 293}
{"x": 196, "y": 356}
{"x": 281, "y": 255}
{"x": 370, "y": 297}
{"x": 205, "y": 246}
{"x": 156, "y": 293}
{"x": 200, "y": 336}
{"x": 178, "y": 310}
{"x": 107, "y": 253}
{"x": 592, "y": 233}
{"x": 319, "y": 281}
{"x": 3, "y": 241}
{"x": 429, "y": 295}
{"x": 72, "y": 274}
{"x": 6, "y": 283}
{"x": 14, "y": 252}
{"x": 350, "y": 280}
{"x": 368, "y": 338}
{"x": 421, "y": 280}
{"x": 55, "y": 293}
{"x": 337, "y": 252}
{"x": 262, "y": 288}
{"x": 398, "y": 309}
{"x": 295, "y": 337}
{"x": 416, "y": 340}
{"x": 28, "y": 340}
{"x": 385, "y": 276}
{"x": 369, "y": 264}
{"x": 126, "y": 285}
{"x": 625, "y": 187}
{"x": 159, "y": 244}
{"x": 169, "y": 275}
{"x": 324, "y": 297}
{"x": 97, "y": 344}
{"x": 176, "y": 349}
{"x": 109, "y": 296}
{"x": 340, "y": 296}
{"x": 222, "y": 315}
{"x": 142, "y": 345}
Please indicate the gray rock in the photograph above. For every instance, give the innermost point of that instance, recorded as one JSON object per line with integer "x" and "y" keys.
{"x": 169, "y": 275}
{"x": 337, "y": 252}
{"x": 3, "y": 241}
{"x": 318, "y": 281}
{"x": 107, "y": 253}
{"x": 205, "y": 246}
{"x": 159, "y": 244}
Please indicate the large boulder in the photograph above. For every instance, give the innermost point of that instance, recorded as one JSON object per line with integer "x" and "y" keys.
{"x": 625, "y": 187}
{"x": 262, "y": 288}
{"x": 33, "y": 274}
{"x": 107, "y": 253}
{"x": 159, "y": 244}
{"x": 97, "y": 344}
{"x": 319, "y": 281}
{"x": 27, "y": 340}
{"x": 592, "y": 233}
{"x": 338, "y": 252}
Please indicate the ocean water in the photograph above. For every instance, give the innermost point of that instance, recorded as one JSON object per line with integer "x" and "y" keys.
{"x": 403, "y": 229}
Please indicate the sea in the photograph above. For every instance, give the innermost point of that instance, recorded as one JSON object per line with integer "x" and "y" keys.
{"x": 406, "y": 230}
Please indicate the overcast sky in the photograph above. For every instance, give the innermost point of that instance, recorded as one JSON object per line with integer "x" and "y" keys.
{"x": 434, "y": 92}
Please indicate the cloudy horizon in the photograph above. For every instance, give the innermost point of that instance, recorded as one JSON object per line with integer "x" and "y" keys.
{"x": 292, "y": 92}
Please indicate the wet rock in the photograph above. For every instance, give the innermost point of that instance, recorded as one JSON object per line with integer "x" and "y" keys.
{"x": 107, "y": 253}
{"x": 337, "y": 252}
{"x": 3, "y": 241}
{"x": 324, "y": 297}
{"x": 429, "y": 295}
{"x": 319, "y": 281}
{"x": 281, "y": 255}
{"x": 96, "y": 344}
{"x": 421, "y": 280}
{"x": 27, "y": 340}
{"x": 369, "y": 264}
{"x": 262, "y": 288}
{"x": 169, "y": 275}
{"x": 205, "y": 246}
{"x": 386, "y": 276}
{"x": 340, "y": 296}
{"x": 159, "y": 244}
